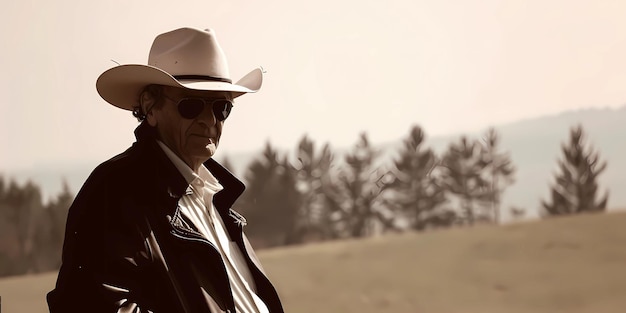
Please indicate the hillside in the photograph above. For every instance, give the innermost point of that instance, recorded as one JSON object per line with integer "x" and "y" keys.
{"x": 573, "y": 264}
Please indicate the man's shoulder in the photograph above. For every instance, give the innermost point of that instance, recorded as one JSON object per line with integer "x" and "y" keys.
{"x": 118, "y": 170}
{"x": 123, "y": 163}
{"x": 109, "y": 182}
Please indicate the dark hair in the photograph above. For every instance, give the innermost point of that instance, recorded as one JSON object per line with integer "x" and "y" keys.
{"x": 152, "y": 91}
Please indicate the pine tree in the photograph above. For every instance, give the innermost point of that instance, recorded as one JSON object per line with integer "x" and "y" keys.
{"x": 499, "y": 174}
{"x": 33, "y": 231}
{"x": 416, "y": 193}
{"x": 270, "y": 201}
{"x": 357, "y": 201}
{"x": 462, "y": 173}
{"x": 7, "y": 263}
{"x": 313, "y": 170}
{"x": 51, "y": 230}
{"x": 21, "y": 207}
{"x": 576, "y": 188}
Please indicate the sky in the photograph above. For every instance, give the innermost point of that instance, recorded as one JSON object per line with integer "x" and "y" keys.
{"x": 334, "y": 68}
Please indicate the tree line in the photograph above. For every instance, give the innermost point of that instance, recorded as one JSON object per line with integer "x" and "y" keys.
{"x": 310, "y": 194}
{"x": 31, "y": 232}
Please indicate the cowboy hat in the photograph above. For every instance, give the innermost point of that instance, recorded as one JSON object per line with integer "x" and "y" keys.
{"x": 185, "y": 58}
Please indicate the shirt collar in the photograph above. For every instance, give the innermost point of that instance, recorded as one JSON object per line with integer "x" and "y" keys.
{"x": 182, "y": 167}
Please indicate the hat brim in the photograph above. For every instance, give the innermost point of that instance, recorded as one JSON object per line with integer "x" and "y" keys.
{"x": 121, "y": 85}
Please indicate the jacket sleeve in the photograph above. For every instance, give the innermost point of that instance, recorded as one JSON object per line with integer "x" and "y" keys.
{"x": 108, "y": 264}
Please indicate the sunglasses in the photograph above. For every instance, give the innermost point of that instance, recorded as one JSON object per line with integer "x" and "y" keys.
{"x": 191, "y": 107}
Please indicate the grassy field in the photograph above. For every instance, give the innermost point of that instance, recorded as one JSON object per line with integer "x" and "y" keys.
{"x": 572, "y": 264}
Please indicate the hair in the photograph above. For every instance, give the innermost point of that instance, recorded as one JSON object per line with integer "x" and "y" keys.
{"x": 152, "y": 91}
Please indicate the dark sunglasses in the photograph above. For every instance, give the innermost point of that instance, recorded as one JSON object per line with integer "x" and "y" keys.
{"x": 191, "y": 107}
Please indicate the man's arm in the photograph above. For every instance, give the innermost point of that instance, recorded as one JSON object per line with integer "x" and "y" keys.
{"x": 108, "y": 265}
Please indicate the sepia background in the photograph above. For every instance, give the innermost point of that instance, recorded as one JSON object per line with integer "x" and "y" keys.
{"x": 363, "y": 77}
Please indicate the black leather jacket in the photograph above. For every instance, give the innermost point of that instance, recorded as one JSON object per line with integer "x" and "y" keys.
{"x": 128, "y": 249}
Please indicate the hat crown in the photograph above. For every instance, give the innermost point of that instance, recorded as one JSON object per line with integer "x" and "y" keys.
{"x": 189, "y": 51}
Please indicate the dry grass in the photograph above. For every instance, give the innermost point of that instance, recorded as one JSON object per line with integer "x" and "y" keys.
{"x": 573, "y": 264}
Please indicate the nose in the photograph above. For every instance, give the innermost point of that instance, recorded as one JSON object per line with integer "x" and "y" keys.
{"x": 207, "y": 117}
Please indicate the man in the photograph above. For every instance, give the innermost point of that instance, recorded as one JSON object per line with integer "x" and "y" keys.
{"x": 152, "y": 229}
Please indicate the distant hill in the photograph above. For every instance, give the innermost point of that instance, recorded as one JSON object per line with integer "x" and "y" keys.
{"x": 534, "y": 145}
{"x": 546, "y": 266}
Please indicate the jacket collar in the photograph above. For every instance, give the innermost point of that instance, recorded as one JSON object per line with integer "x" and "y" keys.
{"x": 170, "y": 180}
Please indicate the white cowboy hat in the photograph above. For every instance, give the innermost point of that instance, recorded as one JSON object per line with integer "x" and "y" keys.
{"x": 186, "y": 58}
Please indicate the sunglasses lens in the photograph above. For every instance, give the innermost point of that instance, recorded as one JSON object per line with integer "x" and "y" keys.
{"x": 221, "y": 109}
{"x": 190, "y": 108}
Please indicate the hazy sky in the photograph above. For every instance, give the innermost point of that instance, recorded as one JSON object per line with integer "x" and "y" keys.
{"x": 334, "y": 68}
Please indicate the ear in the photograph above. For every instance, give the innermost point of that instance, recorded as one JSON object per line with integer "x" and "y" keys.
{"x": 148, "y": 101}
{"x": 151, "y": 118}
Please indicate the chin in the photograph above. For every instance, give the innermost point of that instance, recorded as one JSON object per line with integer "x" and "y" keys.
{"x": 210, "y": 150}
{"x": 208, "y": 154}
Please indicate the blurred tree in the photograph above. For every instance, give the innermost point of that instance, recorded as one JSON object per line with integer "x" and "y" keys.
{"x": 6, "y": 260}
{"x": 575, "y": 188}
{"x": 31, "y": 233}
{"x": 313, "y": 170}
{"x": 499, "y": 174}
{"x": 51, "y": 230}
{"x": 20, "y": 209}
{"x": 271, "y": 201}
{"x": 356, "y": 196}
{"x": 462, "y": 174}
{"x": 415, "y": 193}
{"x": 7, "y": 264}
{"x": 2, "y": 188}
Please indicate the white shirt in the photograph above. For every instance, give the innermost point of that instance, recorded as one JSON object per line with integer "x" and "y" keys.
{"x": 197, "y": 206}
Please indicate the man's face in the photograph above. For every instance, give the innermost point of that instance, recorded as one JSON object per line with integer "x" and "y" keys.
{"x": 193, "y": 140}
